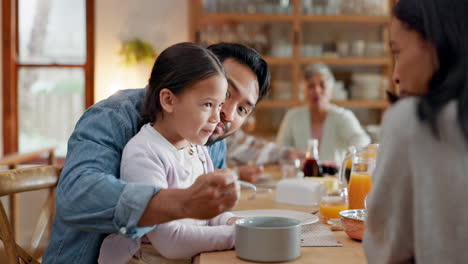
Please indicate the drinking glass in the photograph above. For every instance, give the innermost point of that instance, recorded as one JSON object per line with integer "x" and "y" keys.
{"x": 290, "y": 168}
{"x": 331, "y": 206}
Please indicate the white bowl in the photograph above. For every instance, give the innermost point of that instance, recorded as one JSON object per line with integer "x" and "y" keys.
{"x": 268, "y": 239}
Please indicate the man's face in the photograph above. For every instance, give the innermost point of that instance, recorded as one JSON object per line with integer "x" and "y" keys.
{"x": 242, "y": 94}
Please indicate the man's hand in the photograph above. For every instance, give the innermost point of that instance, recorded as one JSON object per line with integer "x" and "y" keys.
{"x": 210, "y": 195}
{"x": 250, "y": 173}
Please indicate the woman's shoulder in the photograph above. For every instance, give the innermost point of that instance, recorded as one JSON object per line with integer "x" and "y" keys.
{"x": 403, "y": 112}
{"x": 401, "y": 119}
{"x": 297, "y": 112}
{"x": 339, "y": 112}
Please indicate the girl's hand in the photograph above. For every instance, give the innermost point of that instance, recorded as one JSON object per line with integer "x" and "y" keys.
{"x": 232, "y": 220}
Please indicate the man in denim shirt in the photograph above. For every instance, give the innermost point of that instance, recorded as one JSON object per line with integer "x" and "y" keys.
{"x": 92, "y": 202}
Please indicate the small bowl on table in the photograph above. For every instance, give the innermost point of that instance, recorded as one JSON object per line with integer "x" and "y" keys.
{"x": 354, "y": 222}
{"x": 268, "y": 239}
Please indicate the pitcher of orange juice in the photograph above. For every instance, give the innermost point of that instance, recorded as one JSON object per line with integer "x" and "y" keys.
{"x": 360, "y": 182}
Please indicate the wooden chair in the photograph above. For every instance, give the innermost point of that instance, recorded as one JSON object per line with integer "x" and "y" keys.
{"x": 13, "y": 161}
{"x": 25, "y": 180}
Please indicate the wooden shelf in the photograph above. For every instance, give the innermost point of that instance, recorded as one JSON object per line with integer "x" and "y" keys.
{"x": 364, "y": 61}
{"x": 223, "y": 17}
{"x": 290, "y": 68}
{"x": 279, "y": 60}
{"x": 265, "y": 134}
{"x": 344, "y": 61}
{"x": 354, "y": 61}
{"x": 371, "y": 104}
{"x": 272, "y": 103}
{"x": 345, "y": 19}
{"x": 208, "y": 18}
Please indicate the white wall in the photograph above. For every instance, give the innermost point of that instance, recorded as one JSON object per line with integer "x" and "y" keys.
{"x": 160, "y": 22}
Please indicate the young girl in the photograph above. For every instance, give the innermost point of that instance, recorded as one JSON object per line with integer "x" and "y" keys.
{"x": 186, "y": 90}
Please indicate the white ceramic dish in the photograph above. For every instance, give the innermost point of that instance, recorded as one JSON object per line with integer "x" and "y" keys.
{"x": 268, "y": 239}
{"x": 302, "y": 217}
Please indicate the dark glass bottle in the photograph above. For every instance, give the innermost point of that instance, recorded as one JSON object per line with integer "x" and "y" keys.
{"x": 329, "y": 168}
{"x": 311, "y": 165}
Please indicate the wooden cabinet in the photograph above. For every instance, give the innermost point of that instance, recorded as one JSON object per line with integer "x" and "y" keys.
{"x": 292, "y": 34}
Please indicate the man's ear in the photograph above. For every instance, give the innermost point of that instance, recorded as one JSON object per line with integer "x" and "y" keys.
{"x": 167, "y": 100}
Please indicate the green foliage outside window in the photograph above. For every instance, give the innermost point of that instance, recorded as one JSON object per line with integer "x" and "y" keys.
{"x": 136, "y": 51}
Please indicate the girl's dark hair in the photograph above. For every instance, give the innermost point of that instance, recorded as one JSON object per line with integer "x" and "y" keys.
{"x": 444, "y": 23}
{"x": 177, "y": 68}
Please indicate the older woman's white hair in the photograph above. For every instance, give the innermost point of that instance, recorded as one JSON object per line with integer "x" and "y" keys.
{"x": 322, "y": 69}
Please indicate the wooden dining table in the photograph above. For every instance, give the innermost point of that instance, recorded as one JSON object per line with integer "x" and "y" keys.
{"x": 350, "y": 253}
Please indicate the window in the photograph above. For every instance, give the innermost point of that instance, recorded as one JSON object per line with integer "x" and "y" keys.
{"x": 48, "y": 57}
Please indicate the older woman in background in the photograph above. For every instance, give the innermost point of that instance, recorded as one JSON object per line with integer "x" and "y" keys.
{"x": 336, "y": 128}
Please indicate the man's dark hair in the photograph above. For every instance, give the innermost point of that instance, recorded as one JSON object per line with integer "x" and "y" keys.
{"x": 444, "y": 23}
{"x": 250, "y": 58}
{"x": 177, "y": 68}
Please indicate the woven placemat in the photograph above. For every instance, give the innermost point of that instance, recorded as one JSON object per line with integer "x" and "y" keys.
{"x": 318, "y": 235}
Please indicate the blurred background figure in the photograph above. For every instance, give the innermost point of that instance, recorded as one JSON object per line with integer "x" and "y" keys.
{"x": 336, "y": 128}
{"x": 243, "y": 148}
{"x": 251, "y": 153}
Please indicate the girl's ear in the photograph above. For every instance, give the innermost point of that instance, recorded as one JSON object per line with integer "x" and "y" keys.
{"x": 167, "y": 100}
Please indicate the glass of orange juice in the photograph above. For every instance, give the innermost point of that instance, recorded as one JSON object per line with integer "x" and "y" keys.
{"x": 332, "y": 205}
